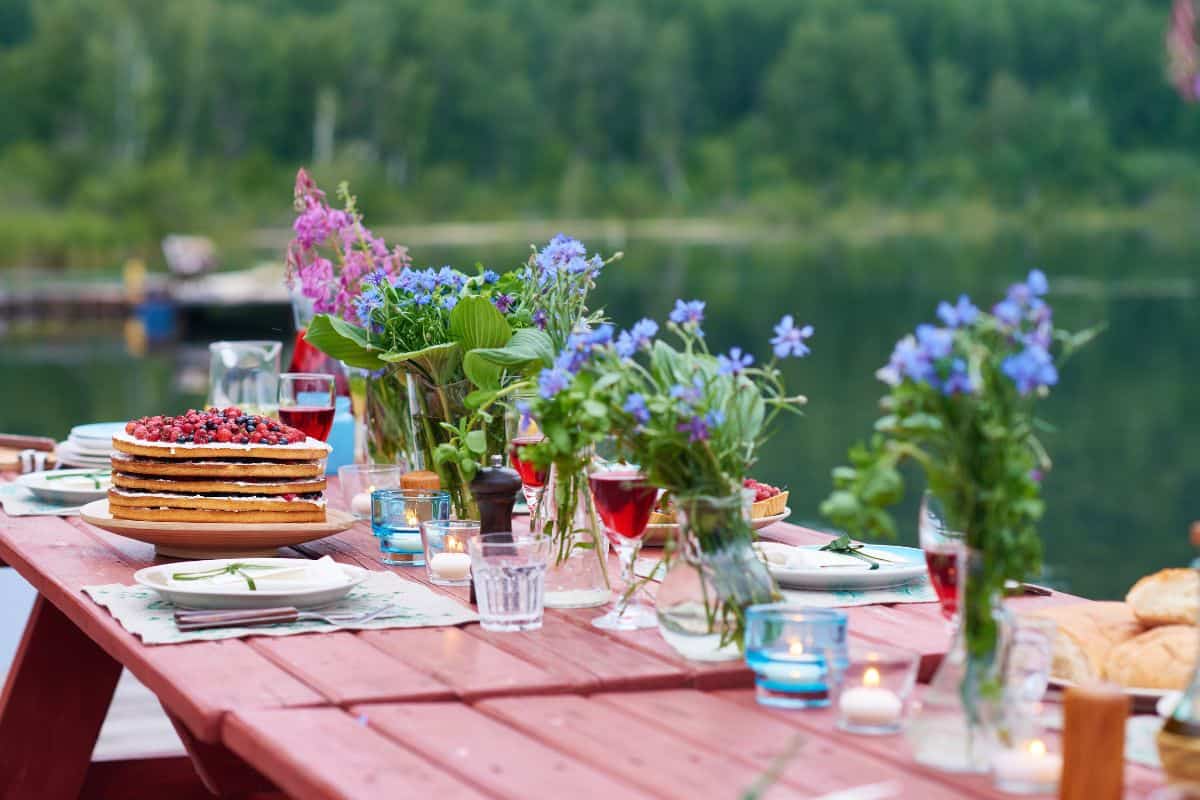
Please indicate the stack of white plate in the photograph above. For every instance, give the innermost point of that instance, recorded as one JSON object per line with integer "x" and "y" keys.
{"x": 88, "y": 445}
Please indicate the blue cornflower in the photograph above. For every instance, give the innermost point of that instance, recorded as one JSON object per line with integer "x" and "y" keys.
{"x": 696, "y": 428}
{"x": 503, "y": 302}
{"x": 578, "y": 266}
{"x": 561, "y": 250}
{"x": 526, "y": 413}
{"x": 449, "y": 302}
{"x": 426, "y": 280}
{"x": 367, "y": 303}
{"x": 635, "y": 406}
{"x": 689, "y": 314}
{"x": 689, "y": 394}
{"x": 553, "y": 381}
{"x": 406, "y": 280}
{"x": 735, "y": 362}
{"x": 597, "y": 264}
{"x": 789, "y": 340}
{"x": 641, "y": 335}
{"x": 1008, "y": 313}
{"x": 375, "y": 278}
{"x": 625, "y": 345}
{"x": 451, "y": 278}
{"x": 961, "y": 313}
{"x": 422, "y": 299}
{"x": 1037, "y": 282}
{"x": 1030, "y": 369}
{"x": 598, "y": 337}
{"x": 1041, "y": 336}
{"x": 959, "y": 380}
{"x": 908, "y": 360}
{"x": 935, "y": 342}
{"x": 490, "y": 277}
{"x": 539, "y": 319}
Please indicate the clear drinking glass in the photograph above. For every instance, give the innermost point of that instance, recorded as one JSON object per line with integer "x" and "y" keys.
{"x": 624, "y": 501}
{"x": 943, "y": 549}
{"x": 873, "y": 696}
{"x": 244, "y": 374}
{"x": 358, "y": 481}
{"x": 509, "y": 571}
{"x": 446, "y": 556}
{"x": 306, "y": 402}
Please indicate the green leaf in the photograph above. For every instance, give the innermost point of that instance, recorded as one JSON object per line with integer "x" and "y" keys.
{"x": 595, "y": 409}
{"x": 476, "y": 442}
{"x": 438, "y": 363}
{"x": 482, "y": 373}
{"x": 528, "y": 348}
{"x": 476, "y": 323}
{"x": 345, "y": 342}
{"x": 480, "y": 397}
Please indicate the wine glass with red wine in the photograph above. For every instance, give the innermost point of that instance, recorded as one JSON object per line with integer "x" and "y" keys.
{"x": 943, "y": 553}
{"x": 306, "y": 402}
{"x": 522, "y": 432}
{"x": 624, "y": 500}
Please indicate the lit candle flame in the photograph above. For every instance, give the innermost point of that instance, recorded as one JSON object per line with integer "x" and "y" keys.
{"x": 1037, "y": 748}
{"x": 871, "y": 677}
{"x": 796, "y": 648}
{"x": 410, "y": 516}
{"x": 370, "y": 488}
{"x": 453, "y": 545}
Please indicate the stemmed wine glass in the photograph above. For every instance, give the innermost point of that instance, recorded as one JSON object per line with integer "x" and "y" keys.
{"x": 306, "y": 402}
{"x": 522, "y": 431}
{"x": 943, "y": 550}
{"x": 624, "y": 500}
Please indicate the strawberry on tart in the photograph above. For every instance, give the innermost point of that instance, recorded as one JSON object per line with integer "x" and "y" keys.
{"x": 218, "y": 465}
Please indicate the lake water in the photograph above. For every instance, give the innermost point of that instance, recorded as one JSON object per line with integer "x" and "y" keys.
{"x": 1123, "y": 490}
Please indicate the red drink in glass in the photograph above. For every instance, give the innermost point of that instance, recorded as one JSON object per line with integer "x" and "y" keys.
{"x": 315, "y": 421}
{"x": 943, "y": 576}
{"x": 306, "y": 358}
{"x": 531, "y": 476}
{"x": 624, "y": 501}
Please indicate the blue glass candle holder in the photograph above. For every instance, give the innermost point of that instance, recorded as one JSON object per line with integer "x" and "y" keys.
{"x": 396, "y": 517}
{"x": 798, "y": 654}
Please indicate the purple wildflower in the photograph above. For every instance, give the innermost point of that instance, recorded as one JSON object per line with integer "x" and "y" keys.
{"x": 689, "y": 394}
{"x": 560, "y": 252}
{"x": 958, "y": 315}
{"x": 635, "y": 406}
{"x": 936, "y": 342}
{"x": 696, "y": 428}
{"x": 449, "y": 302}
{"x": 366, "y": 304}
{"x": 1037, "y": 282}
{"x": 689, "y": 314}
{"x": 503, "y": 302}
{"x": 1031, "y": 369}
{"x": 489, "y": 277}
{"x": 789, "y": 340}
{"x": 638, "y": 337}
{"x": 1008, "y": 313}
{"x": 376, "y": 278}
{"x": 539, "y": 319}
{"x": 735, "y": 362}
{"x": 958, "y": 381}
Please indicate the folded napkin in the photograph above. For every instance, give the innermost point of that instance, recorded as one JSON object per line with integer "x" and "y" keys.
{"x": 301, "y": 574}
{"x": 144, "y": 613}
{"x": 20, "y": 502}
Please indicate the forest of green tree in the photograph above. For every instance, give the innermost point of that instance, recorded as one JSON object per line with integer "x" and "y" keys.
{"x": 121, "y": 120}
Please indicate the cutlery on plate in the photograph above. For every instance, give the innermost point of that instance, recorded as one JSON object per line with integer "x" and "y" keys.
{"x": 195, "y": 620}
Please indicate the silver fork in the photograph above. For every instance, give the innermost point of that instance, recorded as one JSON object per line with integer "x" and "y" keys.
{"x": 195, "y": 620}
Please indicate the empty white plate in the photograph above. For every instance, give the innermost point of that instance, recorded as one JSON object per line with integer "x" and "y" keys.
{"x": 809, "y": 567}
{"x": 68, "y": 487}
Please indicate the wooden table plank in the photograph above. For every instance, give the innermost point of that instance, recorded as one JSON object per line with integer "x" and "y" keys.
{"x": 494, "y": 756}
{"x": 326, "y": 753}
{"x": 198, "y": 681}
{"x": 821, "y": 765}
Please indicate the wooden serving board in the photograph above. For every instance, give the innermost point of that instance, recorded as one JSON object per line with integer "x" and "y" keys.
{"x": 197, "y": 540}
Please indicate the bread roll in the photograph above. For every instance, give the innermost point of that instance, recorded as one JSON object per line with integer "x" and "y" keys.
{"x": 1168, "y": 597}
{"x": 1160, "y": 658}
{"x": 1086, "y": 634}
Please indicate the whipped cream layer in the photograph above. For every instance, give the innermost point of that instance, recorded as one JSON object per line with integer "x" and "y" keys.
{"x": 317, "y": 500}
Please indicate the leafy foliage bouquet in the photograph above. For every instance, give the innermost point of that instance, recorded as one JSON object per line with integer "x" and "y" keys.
{"x": 691, "y": 420}
{"x": 960, "y": 405}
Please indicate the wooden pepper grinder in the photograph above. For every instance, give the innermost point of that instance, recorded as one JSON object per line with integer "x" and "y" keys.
{"x": 1093, "y": 743}
{"x": 495, "y": 489}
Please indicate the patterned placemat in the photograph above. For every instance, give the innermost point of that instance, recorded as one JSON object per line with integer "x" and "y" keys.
{"x": 144, "y": 613}
{"x": 918, "y": 591}
{"x": 20, "y": 502}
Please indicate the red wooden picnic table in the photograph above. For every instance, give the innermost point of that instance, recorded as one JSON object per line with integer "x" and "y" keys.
{"x": 454, "y": 712}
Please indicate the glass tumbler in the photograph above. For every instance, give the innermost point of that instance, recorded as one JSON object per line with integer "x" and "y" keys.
{"x": 798, "y": 654}
{"x": 396, "y": 517}
{"x": 446, "y": 557}
{"x": 246, "y": 375}
{"x": 509, "y": 571}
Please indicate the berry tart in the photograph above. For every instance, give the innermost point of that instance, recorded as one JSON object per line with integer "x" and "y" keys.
{"x": 769, "y": 500}
{"x": 218, "y": 465}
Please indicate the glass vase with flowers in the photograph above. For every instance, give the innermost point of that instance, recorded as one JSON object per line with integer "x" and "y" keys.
{"x": 960, "y": 405}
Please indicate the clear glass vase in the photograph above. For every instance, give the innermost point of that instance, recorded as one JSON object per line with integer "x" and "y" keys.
{"x": 577, "y": 575}
{"x": 955, "y": 727}
{"x": 713, "y": 575}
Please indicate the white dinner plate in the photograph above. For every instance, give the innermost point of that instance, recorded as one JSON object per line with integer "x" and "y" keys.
{"x": 96, "y": 434}
{"x": 239, "y": 595}
{"x": 68, "y": 454}
{"x": 909, "y": 566}
{"x": 66, "y": 487}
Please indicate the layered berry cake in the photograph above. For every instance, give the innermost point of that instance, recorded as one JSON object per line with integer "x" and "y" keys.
{"x": 218, "y": 465}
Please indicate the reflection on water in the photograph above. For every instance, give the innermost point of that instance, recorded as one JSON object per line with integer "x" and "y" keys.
{"x": 1125, "y": 444}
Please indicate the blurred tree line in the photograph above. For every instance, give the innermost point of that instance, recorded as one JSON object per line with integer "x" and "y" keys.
{"x": 125, "y": 119}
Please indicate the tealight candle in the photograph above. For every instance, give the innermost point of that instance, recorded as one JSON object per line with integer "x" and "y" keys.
{"x": 450, "y": 566}
{"x": 360, "y": 504}
{"x": 870, "y": 705}
{"x": 360, "y": 480}
{"x": 395, "y": 518}
{"x": 874, "y": 688}
{"x": 796, "y": 653}
{"x": 1028, "y": 769}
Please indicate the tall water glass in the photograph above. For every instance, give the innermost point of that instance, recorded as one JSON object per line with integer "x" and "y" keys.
{"x": 246, "y": 375}
{"x": 509, "y": 571}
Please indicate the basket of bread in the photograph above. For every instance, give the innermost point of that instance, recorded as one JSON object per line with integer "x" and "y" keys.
{"x": 1147, "y": 644}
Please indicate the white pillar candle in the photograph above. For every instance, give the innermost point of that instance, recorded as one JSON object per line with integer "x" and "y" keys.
{"x": 450, "y": 566}
{"x": 360, "y": 504}
{"x": 1029, "y": 765}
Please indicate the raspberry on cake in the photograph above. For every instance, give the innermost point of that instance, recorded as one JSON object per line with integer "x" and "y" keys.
{"x": 768, "y": 500}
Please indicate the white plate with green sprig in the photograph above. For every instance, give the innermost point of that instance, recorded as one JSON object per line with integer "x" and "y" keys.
{"x": 68, "y": 487}
{"x": 249, "y": 583}
{"x": 809, "y": 567}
